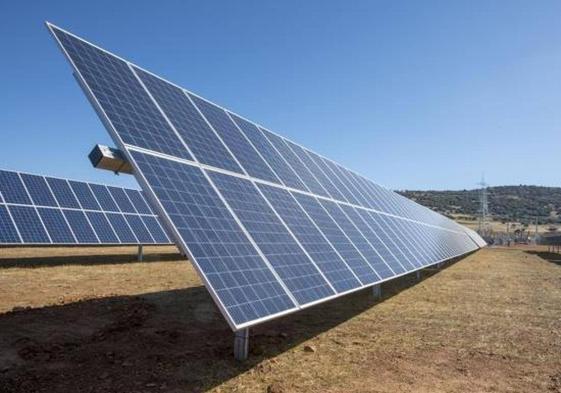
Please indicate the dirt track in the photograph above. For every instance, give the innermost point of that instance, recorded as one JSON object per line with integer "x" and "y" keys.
{"x": 491, "y": 322}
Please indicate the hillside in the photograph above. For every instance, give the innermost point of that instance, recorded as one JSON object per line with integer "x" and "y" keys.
{"x": 506, "y": 203}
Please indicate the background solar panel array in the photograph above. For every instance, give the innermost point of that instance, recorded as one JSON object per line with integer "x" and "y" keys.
{"x": 271, "y": 226}
{"x": 46, "y": 210}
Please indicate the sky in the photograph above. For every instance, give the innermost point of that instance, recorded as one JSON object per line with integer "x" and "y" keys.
{"x": 413, "y": 95}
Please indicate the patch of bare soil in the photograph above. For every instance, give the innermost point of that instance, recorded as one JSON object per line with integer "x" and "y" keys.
{"x": 94, "y": 320}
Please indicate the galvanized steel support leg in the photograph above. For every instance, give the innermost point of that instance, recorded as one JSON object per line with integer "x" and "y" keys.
{"x": 377, "y": 291}
{"x": 241, "y": 344}
{"x": 140, "y": 256}
{"x": 418, "y": 275}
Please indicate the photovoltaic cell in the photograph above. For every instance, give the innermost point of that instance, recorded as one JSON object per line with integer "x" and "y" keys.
{"x": 405, "y": 258}
{"x": 320, "y": 250}
{"x": 358, "y": 239}
{"x": 63, "y": 193}
{"x": 401, "y": 241}
{"x": 84, "y": 195}
{"x": 104, "y": 198}
{"x": 239, "y": 276}
{"x": 29, "y": 224}
{"x": 122, "y": 98}
{"x": 283, "y": 171}
{"x": 383, "y": 250}
{"x": 301, "y": 170}
{"x": 138, "y": 201}
{"x": 120, "y": 197}
{"x": 122, "y": 229}
{"x": 80, "y": 226}
{"x": 248, "y": 157}
{"x": 338, "y": 238}
{"x": 294, "y": 267}
{"x": 316, "y": 171}
{"x": 8, "y": 231}
{"x": 38, "y": 190}
{"x": 12, "y": 189}
{"x": 102, "y": 227}
{"x": 189, "y": 123}
{"x": 139, "y": 229}
{"x": 323, "y": 165}
{"x": 155, "y": 229}
{"x": 50, "y": 195}
{"x": 56, "y": 225}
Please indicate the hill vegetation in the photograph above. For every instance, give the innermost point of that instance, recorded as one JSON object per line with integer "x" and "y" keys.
{"x": 506, "y": 203}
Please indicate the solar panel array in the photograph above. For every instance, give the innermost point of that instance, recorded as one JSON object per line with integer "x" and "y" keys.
{"x": 44, "y": 210}
{"x": 271, "y": 226}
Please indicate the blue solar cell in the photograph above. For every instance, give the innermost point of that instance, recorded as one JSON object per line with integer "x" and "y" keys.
{"x": 102, "y": 228}
{"x": 38, "y": 190}
{"x": 29, "y": 224}
{"x": 56, "y": 225}
{"x": 424, "y": 233}
{"x": 104, "y": 198}
{"x": 80, "y": 226}
{"x": 337, "y": 238}
{"x": 63, "y": 193}
{"x": 422, "y": 245}
{"x": 293, "y": 266}
{"x": 47, "y": 194}
{"x": 241, "y": 279}
{"x": 405, "y": 258}
{"x": 123, "y": 99}
{"x": 405, "y": 244}
{"x": 268, "y": 152}
{"x": 393, "y": 261}
{"x": 189, "y": 123}
{"x": 8, "y": 231}
{"x": 371, "y": 201}
{"x": 12, "y": 189}
{"x": 143, "y": 196}
{"x": 378, "y": 196}
{"x": 333, "y": 177}
{"x": 343, "y": 175}
{"x": 139, "y": 229}
{"x": 303, "y": 172}
{"x": 155, "y": 229}
{"x": 122, "y": 200}
{"x": 246, "y": 155}
{"x": 122, "y": 229}
{"x": 358, "y": 239}
{"x": 321, "y": 177}
{"x": 138, "y": 201}
{"x": 320, "y": 250}
{"x": 84, "y": 194}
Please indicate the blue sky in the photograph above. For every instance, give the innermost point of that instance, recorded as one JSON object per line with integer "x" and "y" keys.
{"x": 416, "y": 95}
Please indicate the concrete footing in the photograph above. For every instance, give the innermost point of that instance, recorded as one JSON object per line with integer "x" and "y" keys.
{"x": 241, "y": 344}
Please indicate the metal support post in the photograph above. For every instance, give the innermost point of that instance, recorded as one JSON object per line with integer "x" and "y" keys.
{"x": 377, "y": 291}
{"x": 140, "y": 253}
{"x": 241, "y": 344}
{"x": 418, "y": 275}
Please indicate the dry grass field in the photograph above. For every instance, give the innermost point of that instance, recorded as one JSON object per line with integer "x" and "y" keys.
{"x": 94, "y": 320}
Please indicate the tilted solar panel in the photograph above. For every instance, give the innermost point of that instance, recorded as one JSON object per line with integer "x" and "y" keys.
{"x": 37, "y": 209}
{"x": 270, "y": 226}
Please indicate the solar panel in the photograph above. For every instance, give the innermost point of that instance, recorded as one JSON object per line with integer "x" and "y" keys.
{"x": 271, "y": 226}
{"x": 36, "y": 209}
